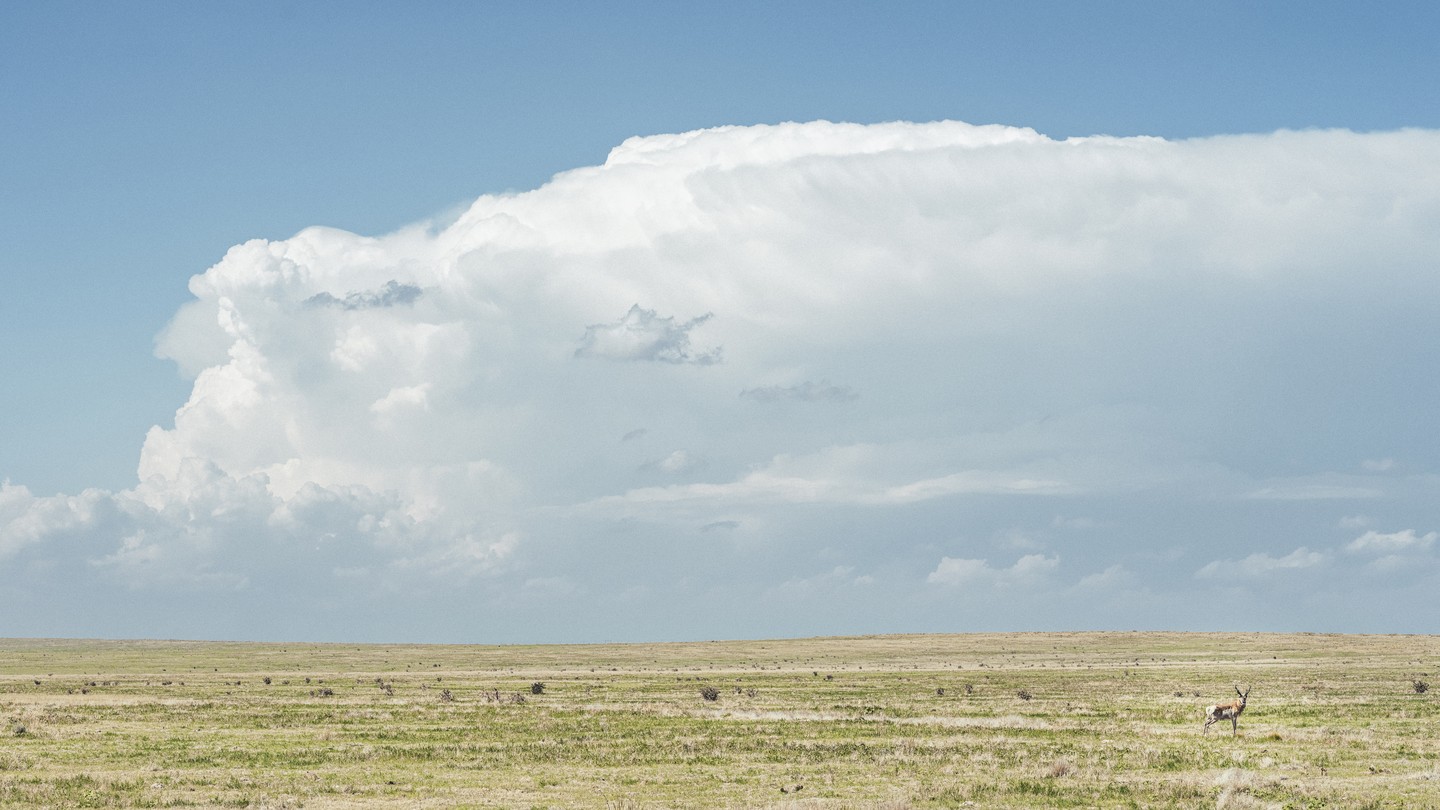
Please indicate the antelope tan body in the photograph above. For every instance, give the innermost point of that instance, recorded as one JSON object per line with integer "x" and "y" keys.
{"x": 1227, "y": 711}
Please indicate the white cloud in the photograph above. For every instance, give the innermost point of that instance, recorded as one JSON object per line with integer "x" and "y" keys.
{"x": 1314, "y": 492}
{"x": 399, "y": 399}
{"x": 970, "y": 482}
{"x": 1027, "y": 570}
{"x": 26, "y": 520}
{"x": 206, "y": 529}
{"x": 1382, "y": 542}
{"x": 840, "y": 576}
{"x": 1262, "y": 564}
{"x": 1108, "y": 321}
{"x": 676, "y": 463}
{"x": 847, "y": 475}
{"x": 1114, "y": 579}
{"x": 1018, "y": 539}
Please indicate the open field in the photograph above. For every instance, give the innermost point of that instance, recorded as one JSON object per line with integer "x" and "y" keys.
{"x": 1111, "y": 720}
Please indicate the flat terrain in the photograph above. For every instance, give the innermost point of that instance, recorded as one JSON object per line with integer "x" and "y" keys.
{"x": 1004, "y": 720}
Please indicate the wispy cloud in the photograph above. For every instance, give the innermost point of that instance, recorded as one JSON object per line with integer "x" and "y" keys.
{"x": 807, "y": 391}
{"x": 1389, "y": 542}
{"x": 1263, "y": 564}
{"x": 770, "y": 486}
{"x": 1314, "y": 492}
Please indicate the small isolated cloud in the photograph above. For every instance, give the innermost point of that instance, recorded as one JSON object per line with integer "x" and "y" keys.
{"x": 1354, "y": 522}
{"x": 392, "y": 293}
{"x": 1314, "y": 492}
{"x": 644, "y": 335}
{"x": 637, "y": 433}
{"x": 1373, "y": 542}
{"x": 1112, "y": 579}
{"x": 1378, "y": 464}
{"x": 960, "y": 571}
{"x": 1262, "y": 565}
{"x": 807, "y": 391}
{"x": 837, "y": 577}
{"x": 549, "y": 587}
{"x": 720, "y": 525}
{"x": 676, "y": 463}
{"x": 1017, "y": 539}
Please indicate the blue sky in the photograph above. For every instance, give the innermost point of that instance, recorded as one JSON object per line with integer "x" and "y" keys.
{"x": 140, "y": 143}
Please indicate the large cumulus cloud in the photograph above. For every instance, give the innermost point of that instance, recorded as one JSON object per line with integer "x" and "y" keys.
{"x": 1025, "y": 328}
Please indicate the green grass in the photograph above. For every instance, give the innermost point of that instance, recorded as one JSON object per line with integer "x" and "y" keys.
{"x": 1113, "y": 720}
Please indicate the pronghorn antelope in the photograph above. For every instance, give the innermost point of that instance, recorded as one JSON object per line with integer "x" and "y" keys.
{"x": 1227, "y": 711}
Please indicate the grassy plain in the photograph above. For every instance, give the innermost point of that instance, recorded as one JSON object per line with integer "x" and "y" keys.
{"x": 1111, "y": 720}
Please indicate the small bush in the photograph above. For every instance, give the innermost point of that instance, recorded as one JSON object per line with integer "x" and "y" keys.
{"x": 1419, "y": 686}
{"x": 1060, "y": 767}
{"x": 940, "y": 692}
{"x": 969, "y": 688}
{"x": 267, "y": 680}
{"x": 537, "y": 688}
{"x": 496, "y": 696}
{"x": 710, "y": 693}
{"x": 1024, "y": 694}
{"x": 446, "y": 697}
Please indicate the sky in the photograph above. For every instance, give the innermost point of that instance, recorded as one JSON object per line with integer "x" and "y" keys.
{"x": 556, "y": 322}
